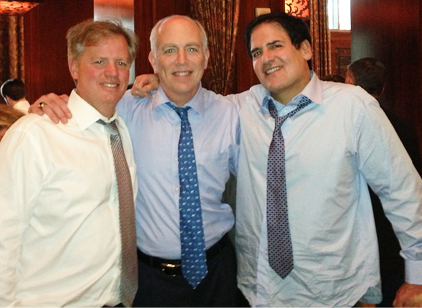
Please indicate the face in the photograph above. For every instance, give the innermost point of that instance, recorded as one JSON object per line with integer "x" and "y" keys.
{"x": 102, "y": 73}
{"x": 280, "y": 67}
{"x": 180, "y": 60}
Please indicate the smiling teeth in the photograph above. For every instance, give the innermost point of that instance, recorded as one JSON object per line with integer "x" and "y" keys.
{"x": 272, "y": 70}
{"x": 110, "y": 85}
{"x": 181, "y": 73}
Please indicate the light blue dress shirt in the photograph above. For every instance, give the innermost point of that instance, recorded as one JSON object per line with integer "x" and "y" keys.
{"x": 154, "y": 128}
{"x": 334, "y": 147}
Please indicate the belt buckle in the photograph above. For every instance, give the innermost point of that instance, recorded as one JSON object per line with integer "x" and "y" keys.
{"x": 170, "y": 269}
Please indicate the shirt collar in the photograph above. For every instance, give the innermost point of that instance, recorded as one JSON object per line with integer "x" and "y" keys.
{"x": 195, "y": 103}
{"x": 313, "y": 91}
{"x": 83, "y": 113}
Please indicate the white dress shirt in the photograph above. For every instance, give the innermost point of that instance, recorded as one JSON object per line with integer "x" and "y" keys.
{"x": 335, "y": 146}
{"x": 155, "y": 130}
{"x": 59, "y": 222}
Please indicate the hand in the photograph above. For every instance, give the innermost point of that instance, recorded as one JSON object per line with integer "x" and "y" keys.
{"x": 54, "y": 106}
{"x": 145, "y": 83}
{"x": 409, "y": 295}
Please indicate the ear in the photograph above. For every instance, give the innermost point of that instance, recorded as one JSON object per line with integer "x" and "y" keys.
{"x": 153, "y": 62}
{"x": 306, "y": 49}
{"x": 73, "y": 68}
{"x": 207, "y": 56}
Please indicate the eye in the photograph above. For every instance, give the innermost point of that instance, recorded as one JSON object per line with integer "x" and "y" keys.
{"x": 99, "y": 61}
{"x": 192, "y": 49}
{"x": 170, "y": 50}
{"x": 256, "y": 53}
{"x": 122, "y": 63}
{"x": 275, "y": 46}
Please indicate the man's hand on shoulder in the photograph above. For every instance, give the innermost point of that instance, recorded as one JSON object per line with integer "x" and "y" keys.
{"x": 409, "y": 295}
{"x": 145, "y": 83}
{"x": 54, "y": 106}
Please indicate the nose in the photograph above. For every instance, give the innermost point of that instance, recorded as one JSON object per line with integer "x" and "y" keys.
{"x": 112, "y": 69}
{"x": 181, "y": 56}
{"x": 267, "y": 55}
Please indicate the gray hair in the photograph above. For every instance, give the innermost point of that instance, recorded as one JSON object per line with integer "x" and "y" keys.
{"x": 90, "y": 32}
{"x": 154, "y": 32}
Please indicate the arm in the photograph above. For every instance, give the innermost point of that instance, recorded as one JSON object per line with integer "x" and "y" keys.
{"x": 145, "y": 83}
{"x": 389, "y": 171}
{"x": 409, "y": 295}
{"x": 20, "y": 181}
{"x": 55, "y": 107}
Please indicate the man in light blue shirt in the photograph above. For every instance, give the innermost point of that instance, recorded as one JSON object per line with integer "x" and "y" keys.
{"x": 334, "y": 147}
{"x": 179, "y": 55}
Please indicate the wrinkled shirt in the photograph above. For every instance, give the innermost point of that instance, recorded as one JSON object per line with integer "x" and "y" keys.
{"x": 335, "y": 147}
{"x": 60, "y": 234}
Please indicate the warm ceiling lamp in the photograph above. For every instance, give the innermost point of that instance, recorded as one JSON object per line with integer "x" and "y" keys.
{"x": 15, "y": 7}
{"x": 298, "y": 8}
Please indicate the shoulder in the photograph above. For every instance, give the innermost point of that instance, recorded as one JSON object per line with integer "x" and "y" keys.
{"x": 213, "y": 100}
{"x": 129, "y": 102}
{"x": 347, "y": 94}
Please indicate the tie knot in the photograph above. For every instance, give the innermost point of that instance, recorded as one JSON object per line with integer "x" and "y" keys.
{"x": 181, "y": 111}
{"x": 272, "y": 109}
{"x": 111, "y": 126}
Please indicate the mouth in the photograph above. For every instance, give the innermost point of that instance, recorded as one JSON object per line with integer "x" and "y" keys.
{"x": 110, "y": 85}
{"x": 272, "y": 70}
{"x": 184, "y": 73}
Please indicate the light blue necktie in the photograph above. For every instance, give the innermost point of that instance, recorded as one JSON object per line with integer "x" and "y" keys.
{"x": 280, "y": 251}
{"x": 194, "y": 260}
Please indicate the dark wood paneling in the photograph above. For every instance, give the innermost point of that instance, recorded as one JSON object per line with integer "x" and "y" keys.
{"x": 46, "y": 25}
{"x": 393, "y": 35}
{"x": 340, "y": 51}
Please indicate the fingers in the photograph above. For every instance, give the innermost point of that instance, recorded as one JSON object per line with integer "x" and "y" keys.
{"x": 140, "y": 92}
{"x": 55, "y": 107}
{"x": 35, "y": 108}
{"x": 143, "y": 84}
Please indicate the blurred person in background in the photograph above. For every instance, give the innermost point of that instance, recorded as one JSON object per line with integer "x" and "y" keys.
{"x": 14, "y": 95}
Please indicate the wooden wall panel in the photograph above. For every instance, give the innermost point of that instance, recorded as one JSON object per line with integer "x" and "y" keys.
{"x": 340, "y": 51}
{"x": 46, "y": 25}
{"x": 390, "y": 31}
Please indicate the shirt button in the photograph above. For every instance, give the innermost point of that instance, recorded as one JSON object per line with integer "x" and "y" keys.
{"x": 176, "y": 188}
{"x": 176, "y": 158}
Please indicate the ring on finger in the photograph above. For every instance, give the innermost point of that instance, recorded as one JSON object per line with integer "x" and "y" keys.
{"x": 42, "y": 105}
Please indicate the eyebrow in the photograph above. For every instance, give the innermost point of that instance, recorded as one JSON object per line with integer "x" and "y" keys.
{"x": 267, "y": 44}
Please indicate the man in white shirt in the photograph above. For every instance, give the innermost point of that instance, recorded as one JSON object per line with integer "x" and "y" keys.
{"x": 61, "y": 243}
{"x": 13, "y": 93}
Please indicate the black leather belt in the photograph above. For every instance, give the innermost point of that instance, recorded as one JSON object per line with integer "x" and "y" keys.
{"x": 174, "y": 267}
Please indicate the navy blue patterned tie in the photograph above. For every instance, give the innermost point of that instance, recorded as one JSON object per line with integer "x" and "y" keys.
{"x": 194, "y": 260}
{"x": 129, "y": 274}
{"x": 280, "y": 252}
